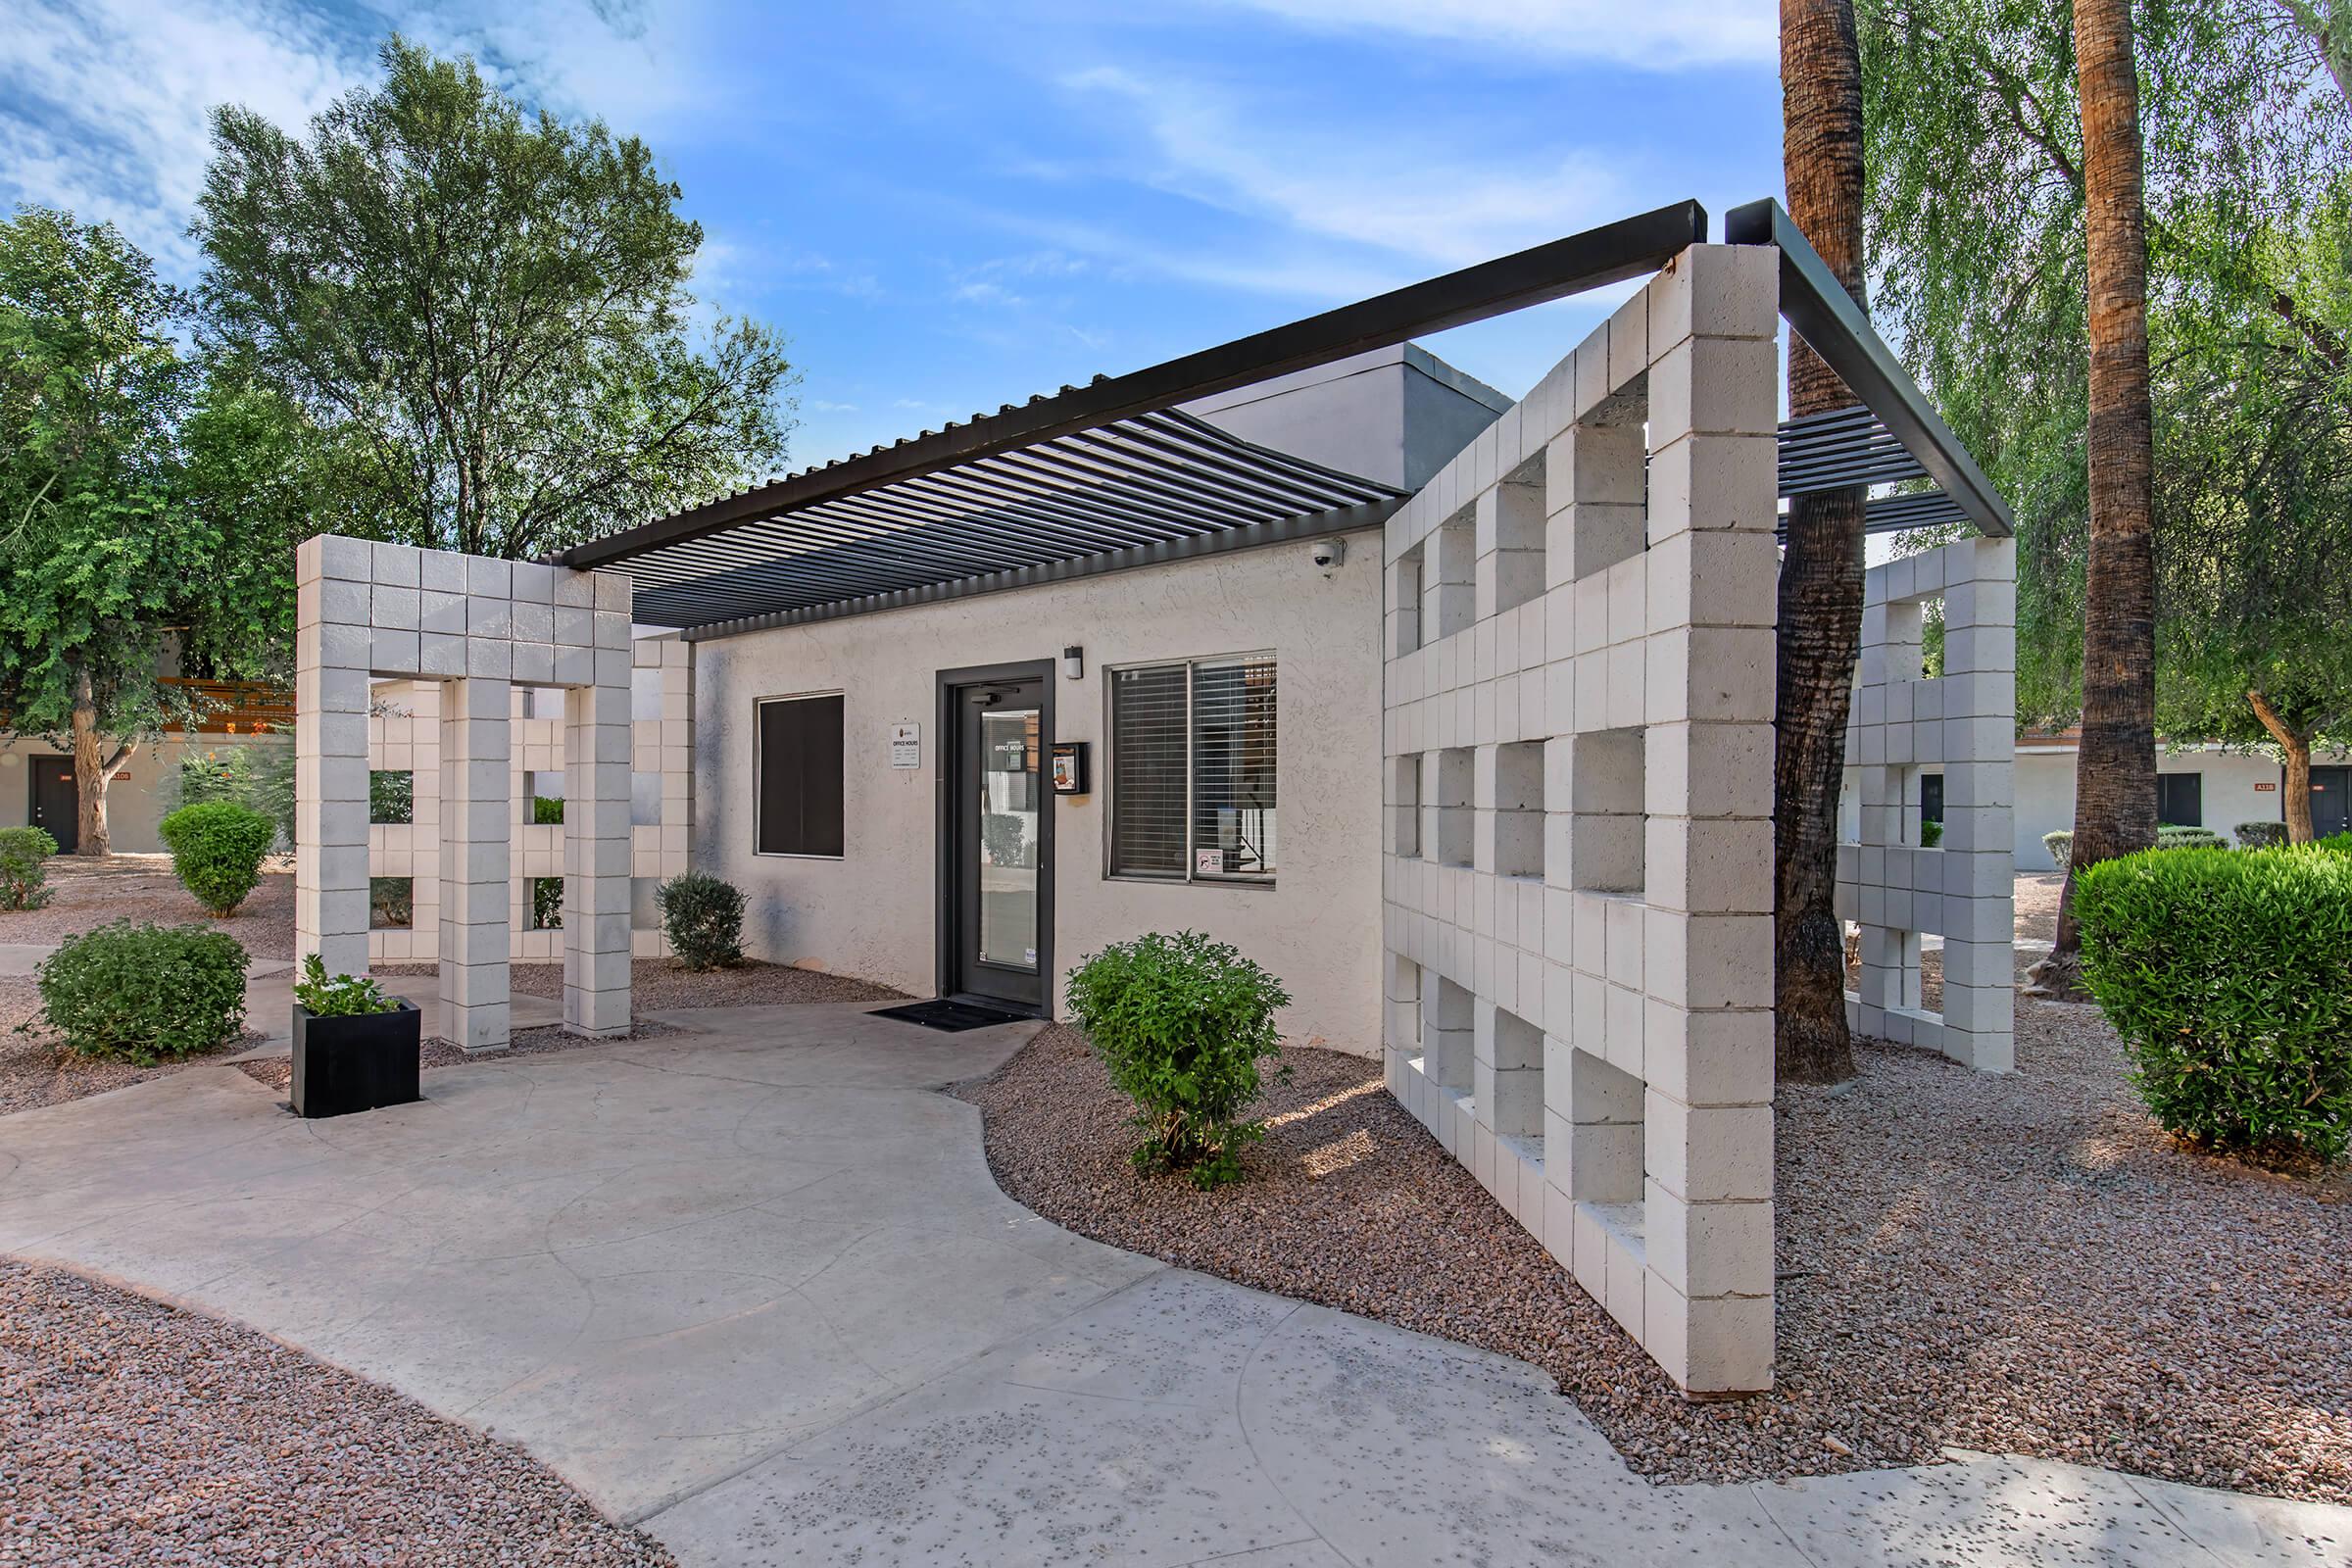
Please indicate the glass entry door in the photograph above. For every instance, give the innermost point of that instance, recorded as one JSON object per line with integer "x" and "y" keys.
{"x": 997, "y": 876}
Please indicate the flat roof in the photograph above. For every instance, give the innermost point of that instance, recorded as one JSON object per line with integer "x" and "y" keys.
{"x": 1114, "y": 474}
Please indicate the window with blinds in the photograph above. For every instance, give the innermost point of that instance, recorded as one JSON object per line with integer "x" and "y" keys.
{"x": 1193, "y": 770}
{"x": 800, "y": 792}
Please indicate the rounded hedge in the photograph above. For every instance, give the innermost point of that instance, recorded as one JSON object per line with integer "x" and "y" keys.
{"x": 24, "y": 876}
{"x": 142, "y": 992}
{"x": 2259, "y": 835}
{"x": 703, "y": 918}
{"x": 2229, "y": 978}
{"x": 217, "y": 850}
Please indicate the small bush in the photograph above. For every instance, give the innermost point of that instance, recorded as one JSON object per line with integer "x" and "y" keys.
{"x": 2259, "y": 835}
{"x": 1931, "y": 835}
{"x": 2169, "y": 837}
{"x": 24, "y": 876}
{"x": 546, "y": 904}
{"x": 143, "y": 993}
{"x": 254, "y": 775}
{"x": 391, "y": 796}
{"x": 342, "y": 996}
{"x": 217, "y": 850}
{"x": 1182, "y": 1023}
{"x": 2061, "y": 845}
{"x": 547, "y": 810}
{"x": 2226, "y": 976}
{"x": 703, "y": 918}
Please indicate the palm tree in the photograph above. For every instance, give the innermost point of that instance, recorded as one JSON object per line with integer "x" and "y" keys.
{"x": 2115, "y": 770}
{"x": 1821, "y": 574}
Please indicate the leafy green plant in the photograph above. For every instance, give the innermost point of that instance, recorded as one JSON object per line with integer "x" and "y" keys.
{"x": 24, "y": 871}
{"x": 1931, "y": 835}
{"x": 256, "y": 775}
{"x": 2259, "y": 835}
{"x": 546, "y": 904}
{"x": 391, "y": 796}
{"x": 217, "y": 849}
{"x": 342, "y": 996}
{"x": 2170, "y": 837}
{"x": 547, "y": 810}
{"x": 1182, "y": 1023}
{"x": 2226, "y": 975}
{"x": 2061, "y": 845}
{"x": 143, "y": 993}
{"x": 1004, "y": 839}
{"x": 703, "y": 918}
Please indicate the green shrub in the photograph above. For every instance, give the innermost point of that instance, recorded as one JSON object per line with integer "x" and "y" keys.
{"x": 2169, "y": 837}
{"x": 217, "y": 850}
{"x": 2259, "y": 835}
{"x": 24, "y": 876}
{"x": 259, "y": 777}
{"x": 703, "y": 918}
{"x": 143, "y": 992}
{"x": 547, "y": 810}
{"x": 1182, "y": 1023}
{"x": 2226, "y": 975}
{"x": 546, "y": 904}
{"x": 2061, "y": 845}
{"x": 391, "y": 796}
{"x": 1931, "y": 835}
{"x": 342, "y": 996}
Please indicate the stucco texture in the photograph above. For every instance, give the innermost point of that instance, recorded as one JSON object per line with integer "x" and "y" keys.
{"x": 872, "y": 912}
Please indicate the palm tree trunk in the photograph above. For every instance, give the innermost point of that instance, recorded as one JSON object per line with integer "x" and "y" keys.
{"x": 2115, "y": 770}
{"x": 1821, "y": 574}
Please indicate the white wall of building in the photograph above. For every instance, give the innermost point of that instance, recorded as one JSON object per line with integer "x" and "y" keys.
{"x": 2233, "y": 793}
{"x": 873, "y": 912}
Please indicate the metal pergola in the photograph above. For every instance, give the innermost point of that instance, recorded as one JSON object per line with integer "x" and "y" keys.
{"x": 1113, "y": 475}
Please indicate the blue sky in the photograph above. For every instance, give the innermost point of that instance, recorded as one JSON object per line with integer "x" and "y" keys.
{"x": 947, "y": 207}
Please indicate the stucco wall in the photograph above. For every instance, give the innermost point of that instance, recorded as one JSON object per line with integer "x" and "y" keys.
{"x": 134, "y": 805}
{"x": 872, "y": 912}
{"x": 2045, "y": 793}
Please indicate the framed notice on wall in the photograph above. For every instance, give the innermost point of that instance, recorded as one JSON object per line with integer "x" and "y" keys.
{"x": 905, "y": 745}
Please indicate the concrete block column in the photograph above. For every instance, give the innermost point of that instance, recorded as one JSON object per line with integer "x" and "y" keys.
{"x": 596, "y": 858}
{"x": 333, "y": 595}
{"x": 477, "y": 861}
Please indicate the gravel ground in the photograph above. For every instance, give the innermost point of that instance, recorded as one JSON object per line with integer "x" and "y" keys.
{"x": 434, "y": 1052}
{"x": 34, "y": 1073}
{"x": 658, "y": 983}
{"x": 141, "y": 886}
{"x": 2019, "y": 1264}
{"x": 134, "y": 1433}
{"x": 2036, "y": 897}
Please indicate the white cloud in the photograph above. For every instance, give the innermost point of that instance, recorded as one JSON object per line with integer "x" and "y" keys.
{"x": 1411, "y": 196}
{"x": 104, "y": 103}
{"x": 1660, "y": 34}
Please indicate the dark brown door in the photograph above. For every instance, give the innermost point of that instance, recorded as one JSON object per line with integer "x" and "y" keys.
{"x": 998, "y": 865}
{"x": 2331, "y": 800}
{"x": 56, "y": 803}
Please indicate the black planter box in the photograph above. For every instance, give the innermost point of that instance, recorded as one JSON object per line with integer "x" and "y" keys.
{"x": 355, "y": 1063}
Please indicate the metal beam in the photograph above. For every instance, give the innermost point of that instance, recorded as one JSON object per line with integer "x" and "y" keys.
{"x": 1825, "y": 315}
{"x": 1628, "y": 248}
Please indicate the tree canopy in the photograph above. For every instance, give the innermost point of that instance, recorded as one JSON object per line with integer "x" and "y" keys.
{"x": 486, "y": 311}
{"x": 1976, "y": 211}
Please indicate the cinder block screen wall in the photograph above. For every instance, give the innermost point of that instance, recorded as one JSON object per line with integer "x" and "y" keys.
{"x": 478, "y": 628}
{"x": 1918, "y": 749}
{"x": 404, "y": 762}
{"x": 1579, "y": 887}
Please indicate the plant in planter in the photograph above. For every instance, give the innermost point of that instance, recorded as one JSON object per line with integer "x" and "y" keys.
{"x": 355, "y": 1048}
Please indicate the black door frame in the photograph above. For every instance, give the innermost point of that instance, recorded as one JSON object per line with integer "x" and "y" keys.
{"x": 945, "y": 761}
{"x": 70, "y": 839}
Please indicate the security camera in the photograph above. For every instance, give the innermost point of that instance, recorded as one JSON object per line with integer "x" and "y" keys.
{"x": 1328, "y": 552}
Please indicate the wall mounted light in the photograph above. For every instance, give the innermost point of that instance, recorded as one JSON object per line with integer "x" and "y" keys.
{"x": 1073, "y": 663}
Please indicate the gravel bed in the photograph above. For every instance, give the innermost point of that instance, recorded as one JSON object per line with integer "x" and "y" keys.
{"x": 434, "y": 1052}
{"x": 134, "y": 1433}
{"x": 659, "y": 983}
{"x": 141, "y": 886}
{"x": 34, "y": 1071}
{"x": 2016, "y": 1263}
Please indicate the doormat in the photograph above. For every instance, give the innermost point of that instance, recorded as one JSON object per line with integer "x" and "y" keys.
{"x": 952, "y": 1016}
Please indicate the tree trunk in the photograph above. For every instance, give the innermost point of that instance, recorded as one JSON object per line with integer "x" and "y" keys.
{"x": 2296, "y": 744}
{"x": 1821, "y": 575}
{"x": 93, "y": 770}
{"x": 2115, "y": 770}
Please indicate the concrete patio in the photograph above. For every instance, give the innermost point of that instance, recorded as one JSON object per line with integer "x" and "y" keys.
{"x": 753, "y": 1287}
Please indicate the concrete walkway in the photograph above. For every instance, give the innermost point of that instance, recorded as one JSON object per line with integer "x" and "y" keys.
{"x": 754, "y": 1288}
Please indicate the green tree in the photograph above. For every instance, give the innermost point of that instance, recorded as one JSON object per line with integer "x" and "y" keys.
{"x": 485, "y": 310}
{"x": 96, "y": 560}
